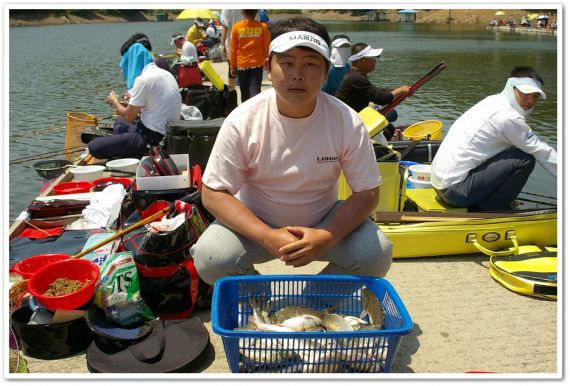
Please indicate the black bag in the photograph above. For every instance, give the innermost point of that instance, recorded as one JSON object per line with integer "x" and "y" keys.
{"x": 211, "y": 102}
{"x": 168, "y": 279}
{"x": 141, "y": 199}
{"x": 195, "y": 138}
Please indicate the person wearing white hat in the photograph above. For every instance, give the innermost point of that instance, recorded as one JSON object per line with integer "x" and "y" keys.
{"x": 489, "y": 152}
{"x": 357, "y": 91}
{"x": 340, "y": 52}
{"x": 197, "y": 31}
{"x": 272, "y": 177}
{"x": 187, "y": 50}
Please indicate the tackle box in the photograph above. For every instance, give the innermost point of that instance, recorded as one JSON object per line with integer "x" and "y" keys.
{"x": 371, "y": 350}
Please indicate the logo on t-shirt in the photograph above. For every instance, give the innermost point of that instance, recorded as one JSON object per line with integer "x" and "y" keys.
{"x": 324, "y": 159}
{"x": 249, "y": 32}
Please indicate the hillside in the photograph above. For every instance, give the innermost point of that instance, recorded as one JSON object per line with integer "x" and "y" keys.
{"x": 455, "y": 16}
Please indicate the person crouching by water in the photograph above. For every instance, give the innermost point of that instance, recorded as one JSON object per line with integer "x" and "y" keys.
{"x": 489, "y": 152}
{"x": 153, "y": 98}
{"x": 272, "y": 176}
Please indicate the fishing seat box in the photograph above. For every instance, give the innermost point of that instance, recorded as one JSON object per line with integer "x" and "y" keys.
{"x": 146, "y": 182}
{"x": 426, "y": 200}
{"x": 193, "y": 137}
{"x": 392, "y": 187}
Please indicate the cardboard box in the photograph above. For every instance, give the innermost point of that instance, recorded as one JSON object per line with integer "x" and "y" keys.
{"x": 146, "y": 182}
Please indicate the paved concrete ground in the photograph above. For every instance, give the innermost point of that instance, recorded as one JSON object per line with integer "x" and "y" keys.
{"x": 463, "y": 321}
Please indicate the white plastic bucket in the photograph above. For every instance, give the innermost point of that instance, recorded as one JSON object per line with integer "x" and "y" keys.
{"x": 419, "y": 184}
{"x": 88, "y": 173}
{"x": 421, "y": 172}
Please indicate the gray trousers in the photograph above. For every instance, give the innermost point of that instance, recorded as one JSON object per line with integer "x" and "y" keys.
{"x": 222, "y": 252}
{"x": 494, "y": 184}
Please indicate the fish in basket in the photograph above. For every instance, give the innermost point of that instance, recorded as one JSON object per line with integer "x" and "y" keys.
{"x": 309, "y": 323}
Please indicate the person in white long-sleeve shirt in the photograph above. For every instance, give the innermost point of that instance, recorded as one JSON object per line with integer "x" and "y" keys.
{"x": 490, "y": 151}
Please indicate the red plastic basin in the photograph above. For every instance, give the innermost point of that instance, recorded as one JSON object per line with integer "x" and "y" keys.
{"x": 27, "y": 267}
{"x": 72, "y": 187}
{"x": 73, "y": 269}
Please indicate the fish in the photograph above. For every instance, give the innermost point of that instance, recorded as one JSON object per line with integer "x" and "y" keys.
{"x": 372, "y": 308}
{"x": 335, "y": 322}
{"x": 295, "y": 324}
{"x": 289, "y": 312}
{"x": 301, "y": 323}
{"x": 355, "y": 323}
{"x": 259, "y": 312}
{"x": 317, "y": 358}
{"x": 265, "y": 353}
{"x": 360, "y": 361}
{"x": 260, "y": 309}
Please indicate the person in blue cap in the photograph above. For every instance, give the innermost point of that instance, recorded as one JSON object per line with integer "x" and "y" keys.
{"x": 152, "y": 99}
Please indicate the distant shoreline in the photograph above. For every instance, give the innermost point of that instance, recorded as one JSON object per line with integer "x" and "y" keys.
{"x": 432, "y": 16}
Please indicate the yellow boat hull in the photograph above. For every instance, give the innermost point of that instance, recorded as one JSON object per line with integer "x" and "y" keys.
{"x": 436, "y": 238}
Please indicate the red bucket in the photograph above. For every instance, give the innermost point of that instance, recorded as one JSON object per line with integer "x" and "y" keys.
{"x": 27, "y": 267}
{"x": 73, "y": 269}
{"x": 72, "y": 187}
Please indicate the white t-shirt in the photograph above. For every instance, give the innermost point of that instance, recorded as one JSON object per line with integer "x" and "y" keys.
{"x": 156, "y": 92}
{"x": 286, "y": 170}
{"x": 483, "y": 131}
{"x": 189, "y": 52}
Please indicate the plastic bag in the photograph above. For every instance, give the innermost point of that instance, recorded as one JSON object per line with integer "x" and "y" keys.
{"x": 118, "y": 292}
{"x": 191, "y": 113}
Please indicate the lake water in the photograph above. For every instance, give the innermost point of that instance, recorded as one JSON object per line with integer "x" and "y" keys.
{"x": 57, "y": 69}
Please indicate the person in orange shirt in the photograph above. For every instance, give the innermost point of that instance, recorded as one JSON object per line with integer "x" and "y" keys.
{"x": 249, "y": 48}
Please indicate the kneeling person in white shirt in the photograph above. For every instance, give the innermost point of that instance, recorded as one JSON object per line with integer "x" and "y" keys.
{"x": 488, "y": 154}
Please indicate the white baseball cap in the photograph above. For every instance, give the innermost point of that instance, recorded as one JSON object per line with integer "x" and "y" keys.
{"x": 368, "y": 52}
{"x": 529, "y": 86}
{"x": 175, "y": 37}
{"x": 292, "y": 39}
{"x": 340, "y": 42}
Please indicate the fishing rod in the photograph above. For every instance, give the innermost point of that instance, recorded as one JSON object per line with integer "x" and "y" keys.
{"x": 436, "y": 70}
{"x": 539, "y": 195}
{"x": 550, "y": 204}
{"x": 69, "y": 150}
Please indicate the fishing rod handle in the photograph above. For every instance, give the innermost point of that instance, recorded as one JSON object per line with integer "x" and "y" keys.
{"x": 123, "y": 232}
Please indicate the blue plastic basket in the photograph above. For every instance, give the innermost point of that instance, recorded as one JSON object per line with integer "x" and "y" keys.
{"x": 307, "y": 352}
